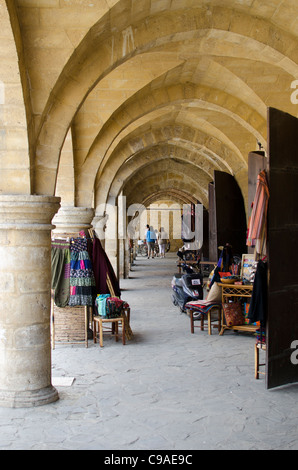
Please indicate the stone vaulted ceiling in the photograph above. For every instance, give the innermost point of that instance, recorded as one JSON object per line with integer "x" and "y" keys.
{"x": 144, "y": 97}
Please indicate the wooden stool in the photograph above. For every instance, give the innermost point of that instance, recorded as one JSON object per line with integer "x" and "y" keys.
{"x": 97, "y": 320}
{"x": 259, "y": 346}
{"x": 212, "y": 309}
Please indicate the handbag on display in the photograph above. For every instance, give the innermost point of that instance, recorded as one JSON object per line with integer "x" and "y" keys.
{"x": 233, "y": 313}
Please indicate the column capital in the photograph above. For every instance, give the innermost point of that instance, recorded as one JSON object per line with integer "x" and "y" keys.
{"x": 27, "y": 212}
{"x": 71, "y": 219}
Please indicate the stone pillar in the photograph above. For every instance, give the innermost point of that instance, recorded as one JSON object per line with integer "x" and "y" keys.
{"x": 121, "y": 235}
{"x": 111, "y": 234}
{"x": 71, "y": 220}
{"x": 25, "y": 300}
{"x": 98, "y": 224}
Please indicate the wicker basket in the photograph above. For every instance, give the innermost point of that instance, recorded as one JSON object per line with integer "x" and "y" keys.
{"x": 69, "y": 325}
{"x": 226, "y": 280}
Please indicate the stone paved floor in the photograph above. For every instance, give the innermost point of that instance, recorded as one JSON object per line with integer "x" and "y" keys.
{"x": 165, "y": 390}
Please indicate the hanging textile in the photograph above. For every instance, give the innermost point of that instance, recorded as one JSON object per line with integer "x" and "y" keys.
{"x": 258, "y": 304}
{"x": 256, "y": 235}
{"x": 60, "y": 266}
{"x": 103, "y": 271}
{"x": 82, "y": 281}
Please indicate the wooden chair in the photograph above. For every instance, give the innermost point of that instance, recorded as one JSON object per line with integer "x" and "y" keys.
{"x": 259, "y": 346}
{"x": 100, "y": 321}
{"x": 124, "y": 319}
{"x": 203, "y": 318}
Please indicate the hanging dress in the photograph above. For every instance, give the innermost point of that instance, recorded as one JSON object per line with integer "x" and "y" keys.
{"x": 259, "y": 299}
{"x": 60, "y": 266}
{"x": 82, "y": 281}
{"x": 256, "y": 234}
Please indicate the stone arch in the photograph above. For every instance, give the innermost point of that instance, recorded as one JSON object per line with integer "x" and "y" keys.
{"x": 163, "y": 98}
{"x": 14, "y": 149}
{"x": 151, "y": 157}
{"x": 68, "y": 94}
{"x": 177, "y": 134}
{"x": 175, "y": 195}
{"x": 164, "y": 175}
{"x": 205, "y": 153}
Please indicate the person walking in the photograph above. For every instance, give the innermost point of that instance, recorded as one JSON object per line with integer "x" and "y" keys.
{"x": 150, "y": 239}
{"x": 162, "y": 238}
{"x": 146, "y": 230}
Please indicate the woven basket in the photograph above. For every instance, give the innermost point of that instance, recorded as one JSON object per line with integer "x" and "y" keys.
{"x": 69, "y": 325}
{"x": 227, "y": 280}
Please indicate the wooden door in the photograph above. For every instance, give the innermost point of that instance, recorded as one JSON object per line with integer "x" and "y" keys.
{"x": 230, "y": 213}
{"x": 282, "y": 318}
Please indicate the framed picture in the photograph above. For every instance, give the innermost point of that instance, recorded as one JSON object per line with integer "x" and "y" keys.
{"x": 247, "y": 265}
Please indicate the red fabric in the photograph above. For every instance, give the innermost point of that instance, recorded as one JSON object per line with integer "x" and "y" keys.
{"x": 233, "y": 314}
{"x": 259, "y": 211}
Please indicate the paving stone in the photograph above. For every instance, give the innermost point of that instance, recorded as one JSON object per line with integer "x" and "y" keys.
{"x": 166, "y": 389}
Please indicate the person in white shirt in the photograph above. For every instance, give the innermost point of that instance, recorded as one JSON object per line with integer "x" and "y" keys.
{"x": 162, "y": 238}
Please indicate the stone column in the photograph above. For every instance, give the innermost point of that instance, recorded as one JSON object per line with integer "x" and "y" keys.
{"x": 25, "y": 300}
{"x": 71, "y": 220}
{"x": 98, "y": 224}
{"x": 111, "y": 234}
{"x": 122, "y": 235}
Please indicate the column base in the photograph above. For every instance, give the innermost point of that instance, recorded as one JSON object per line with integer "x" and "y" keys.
{"x": 28, "y": 399}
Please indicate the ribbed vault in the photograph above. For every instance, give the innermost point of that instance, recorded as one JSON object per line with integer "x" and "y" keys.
{"x": 146, "y": 96}
{"x": 175, "y": 195}
{"x": 166, "y": 174}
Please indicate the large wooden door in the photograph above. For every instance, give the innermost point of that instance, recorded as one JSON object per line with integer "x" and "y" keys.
{"x": 282, "y": 318}
{"x": 229, "y": 216}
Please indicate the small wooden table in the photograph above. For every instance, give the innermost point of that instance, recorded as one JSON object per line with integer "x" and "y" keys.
{"x": 235, "y": 291}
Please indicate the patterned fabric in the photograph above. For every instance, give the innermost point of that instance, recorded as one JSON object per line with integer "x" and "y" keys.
{"x": 261, "y": 336}
{"x": 109, "y": 307}
{"x": 78, "y": 244}
{"x": 201, "y": 307}
{"x": 256, "y": 234}
{"x": 114, "y": 307}
{"x": 82, "y": 281}
{"x": 233, "y": 314}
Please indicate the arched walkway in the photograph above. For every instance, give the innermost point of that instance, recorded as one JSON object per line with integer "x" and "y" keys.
{"x": 166, "y": 389}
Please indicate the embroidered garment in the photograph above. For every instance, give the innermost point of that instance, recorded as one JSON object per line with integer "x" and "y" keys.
{"x": 82, "y": 281}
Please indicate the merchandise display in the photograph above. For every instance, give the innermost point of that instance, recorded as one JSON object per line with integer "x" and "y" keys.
{"x": 82, "y": 276}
